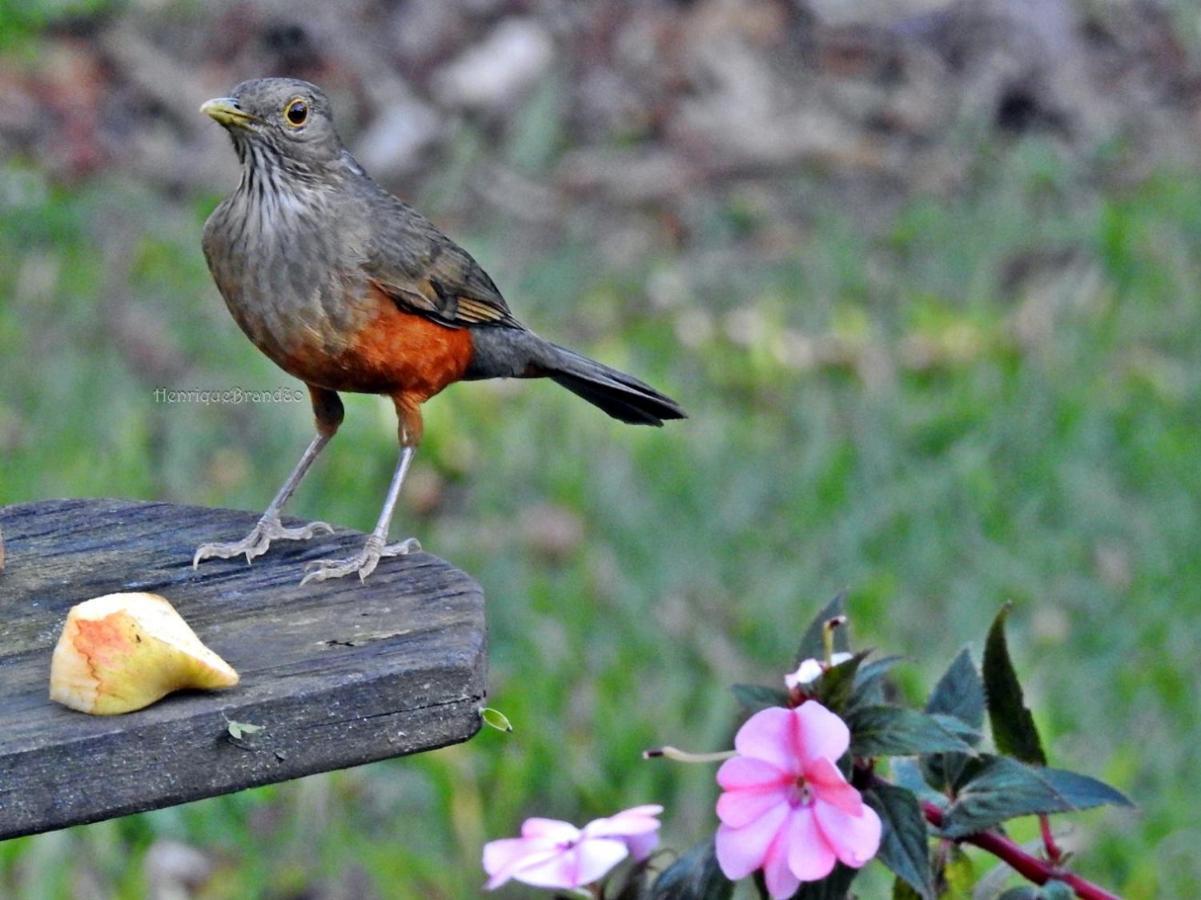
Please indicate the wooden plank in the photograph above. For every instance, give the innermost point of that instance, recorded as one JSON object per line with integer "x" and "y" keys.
{"x": 338, "y": 673}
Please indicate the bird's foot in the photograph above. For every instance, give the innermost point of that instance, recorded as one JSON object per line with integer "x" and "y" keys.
{"x": 268, "y": 529}
{"x": 363, "y": 562}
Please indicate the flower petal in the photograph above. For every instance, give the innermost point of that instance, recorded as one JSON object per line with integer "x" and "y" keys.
{"x": 498, "y": 854}
{"x": 747, "y": 772}
{"x": 810, "y": 857}
{"x": 625, "y": 823}
{"x": 642, "y": 845}
{"x": 741, "y": 851}
{"x": 810, "y": 669}
{"x": 574, "y": 866}
{"x": 820, "y": 732}
{"x": 503, "y": 858}
{"x": 855, "y": 839}
{"x": 551, "y": 829}
{"x": 807, "y": 671}
{"x": 556, "y": 869}
{"x": 596, "y": 856}
{"x": 768, "y": 735}
{"x": 777, "y": 876}
{"x": 829, "y": 786}
{"x": 636, "y": 827}
{"x": 647, "y": 809}
{"x": 739, "y": 808}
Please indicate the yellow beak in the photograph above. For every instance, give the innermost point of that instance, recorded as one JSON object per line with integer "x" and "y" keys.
{"x": 225, "y": 110}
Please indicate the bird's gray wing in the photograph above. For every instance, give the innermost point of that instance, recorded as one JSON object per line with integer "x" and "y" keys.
{"x": 425, "y": 272}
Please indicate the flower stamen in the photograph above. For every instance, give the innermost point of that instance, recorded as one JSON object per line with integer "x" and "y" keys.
{"x": 677, "y": 755}
{"x": 799, "y": 794}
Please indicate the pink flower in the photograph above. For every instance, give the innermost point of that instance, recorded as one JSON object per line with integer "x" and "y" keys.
{"x": 554, "y": 854}
{"x": 786, "y": 808}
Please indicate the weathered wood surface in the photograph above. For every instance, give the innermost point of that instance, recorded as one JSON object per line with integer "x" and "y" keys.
{"x": 337, "y": 673}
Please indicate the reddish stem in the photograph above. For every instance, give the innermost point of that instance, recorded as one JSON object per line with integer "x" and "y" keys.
{"x": 1054, "y": 853}
{"x": 1040, "y": 871}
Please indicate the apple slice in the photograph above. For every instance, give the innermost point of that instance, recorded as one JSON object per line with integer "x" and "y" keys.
{"x": 122, "y": 652}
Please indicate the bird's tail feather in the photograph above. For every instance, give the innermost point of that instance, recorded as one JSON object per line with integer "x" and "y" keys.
{"x": 622, "y": 396}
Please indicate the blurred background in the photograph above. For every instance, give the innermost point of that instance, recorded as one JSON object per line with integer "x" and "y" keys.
{"x": 924, "y": 273}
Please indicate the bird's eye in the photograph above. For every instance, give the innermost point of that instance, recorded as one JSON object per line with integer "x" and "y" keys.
{"x": 296, "y": 112}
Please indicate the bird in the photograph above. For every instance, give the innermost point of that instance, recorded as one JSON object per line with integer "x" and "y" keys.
{"x": 350, "y": 289}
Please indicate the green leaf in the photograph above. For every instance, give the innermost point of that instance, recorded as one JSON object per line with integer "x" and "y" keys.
{"x": 239, "y": 730}
{"x": 895, "y": 731}
{"x": 835, "y": 886}
{"x": 944, "y": 771}
{"x": 902, "y": 891}
{"x": 694, "y": 876}
{"x": 1001, "y": 788}
{"x": 905, "y": 844}
{"x": 960, "y": 692}
{"x": 1013, "y": 726}
{"x": 834, "y": 686}
{"x": 494, "y": 718}
{"x": 958, "y": 727}
{"x": 998, "y": 788}
{"x": 1025, "y": 892}
{"x": 1082, "y": 791}
{"x": 870, "y": 677}
{"x": 959, "y": 695}
{"x": 636, "y": 885}
{"x": 1052, "y": 890}
{"x": 754, "y": 697}
{"x": 1058, "y": 890}
{"x": 958, "y": 874}
{"x": 908, "y": 774}
{"x": 811, "y": 644}
{"x": 760, "y": 884}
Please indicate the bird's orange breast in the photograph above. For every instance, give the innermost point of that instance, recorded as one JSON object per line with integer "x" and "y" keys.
{"x": 389, "y": 351}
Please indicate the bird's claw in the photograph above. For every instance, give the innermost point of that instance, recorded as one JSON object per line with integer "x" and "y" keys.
{"x": 363, "y": 562}
{"x": 256, "y": 543}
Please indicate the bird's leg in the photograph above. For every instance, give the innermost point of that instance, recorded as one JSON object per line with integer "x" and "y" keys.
{"x": 269, "y": 527}
{"x": 328, "y": 409}
{"x": 408, "y": 411}
{"x": 365, "y": 561}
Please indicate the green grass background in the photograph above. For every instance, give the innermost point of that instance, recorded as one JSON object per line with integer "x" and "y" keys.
{"x": 883, "y": 406}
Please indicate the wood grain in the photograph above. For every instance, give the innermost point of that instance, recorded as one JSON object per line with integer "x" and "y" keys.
{"x": 337, "y": 673}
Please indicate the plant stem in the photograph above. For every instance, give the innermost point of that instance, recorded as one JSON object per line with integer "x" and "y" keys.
{"x": 1054, "y": 853}
{"x": 1040, "y": 871}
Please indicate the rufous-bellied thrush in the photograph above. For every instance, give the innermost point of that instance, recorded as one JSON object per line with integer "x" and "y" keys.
{"x": 349, "y": 289}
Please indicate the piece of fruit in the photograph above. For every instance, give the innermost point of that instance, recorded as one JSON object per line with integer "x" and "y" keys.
{"x": 121, "y": 652}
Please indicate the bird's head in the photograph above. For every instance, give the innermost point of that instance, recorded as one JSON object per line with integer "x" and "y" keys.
{"x": 281, "y": 123}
